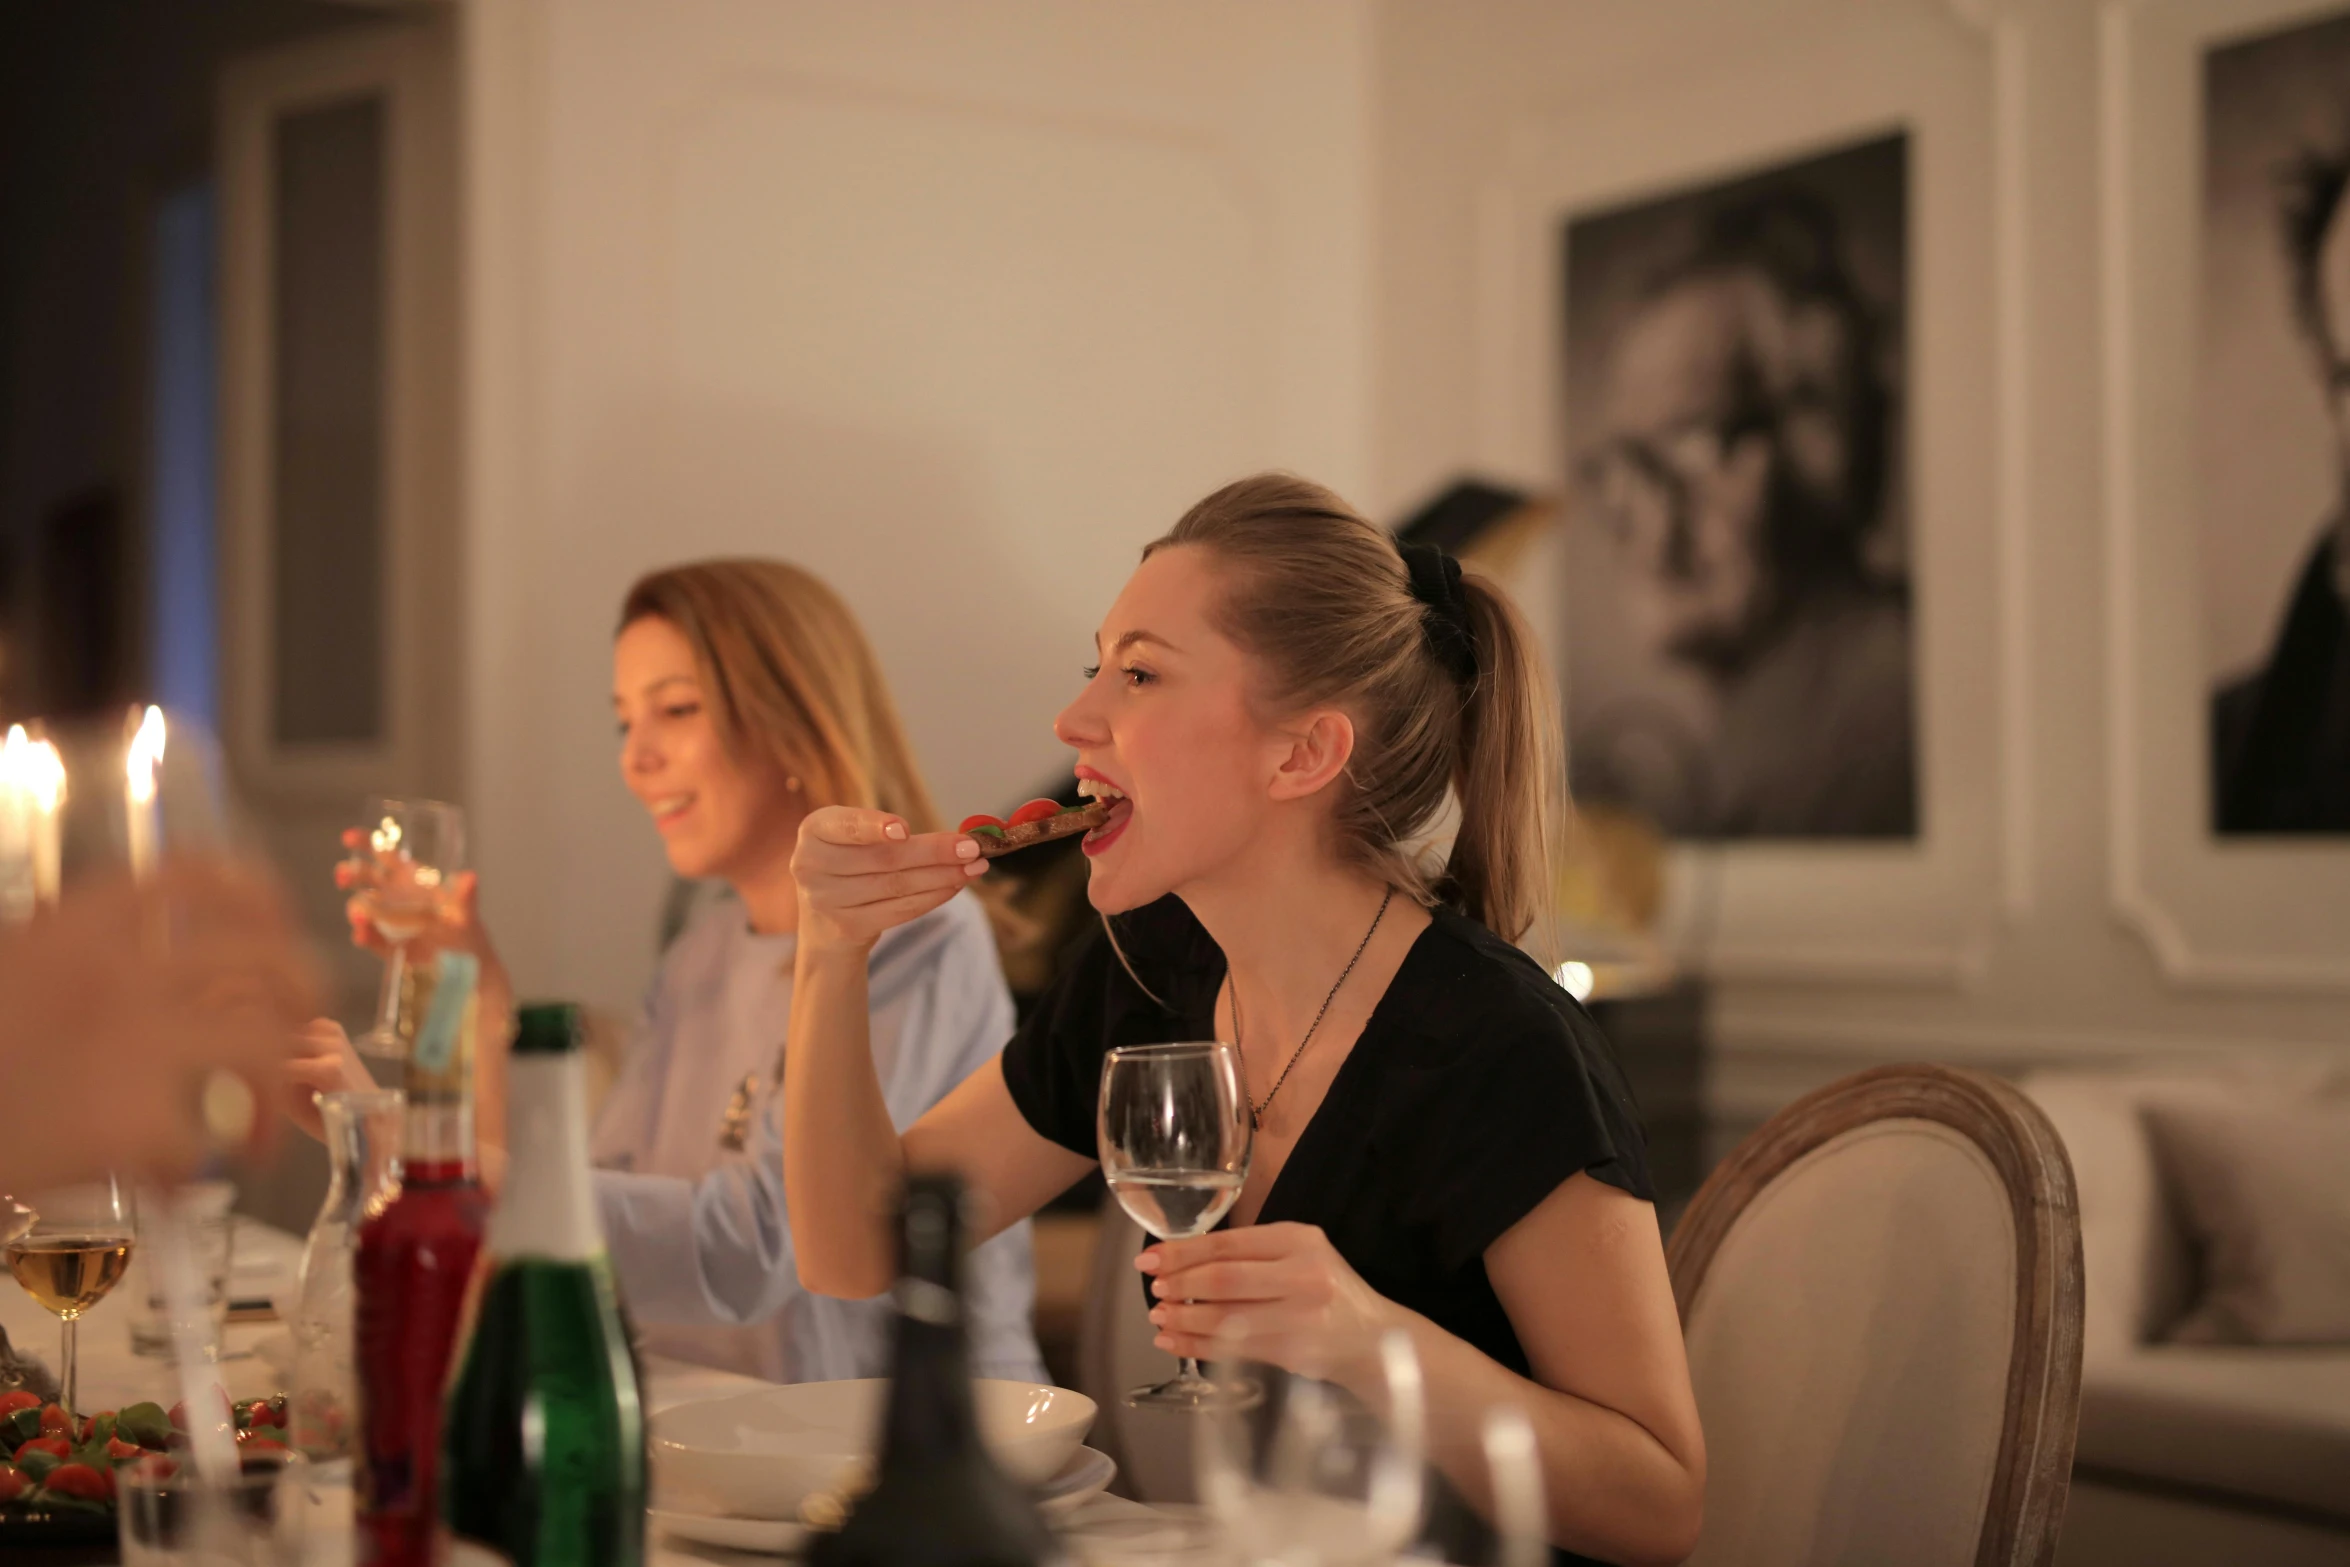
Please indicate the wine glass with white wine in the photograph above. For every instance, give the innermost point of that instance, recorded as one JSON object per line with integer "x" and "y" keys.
{"x": 74, "y": 1251}
{"x": 408, "y": 851}
{"x": 1175, "y": 1137}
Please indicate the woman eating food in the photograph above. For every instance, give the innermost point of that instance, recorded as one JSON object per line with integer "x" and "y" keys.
{"x": 746, "y": 697}
{"x": 1281, "y": 708}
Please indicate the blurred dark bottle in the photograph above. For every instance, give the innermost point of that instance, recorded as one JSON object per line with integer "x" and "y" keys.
{"x": 938, "y": 1499}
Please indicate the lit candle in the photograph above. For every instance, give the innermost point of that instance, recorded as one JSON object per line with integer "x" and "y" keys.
{"x": 141, "y": 758}
{"x": 16, "y": 821}
{"x": 35, "y": 786}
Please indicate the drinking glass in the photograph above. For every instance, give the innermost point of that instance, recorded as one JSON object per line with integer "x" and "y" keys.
{"x": 76, "y": 1250}
{"x": 1175, "y": 1133}
{"x": 170, "y": 1516}
{"x": 1317, "y": 1473}
{"x": 412, "y": 848}
{"x": 208, "y": 1229}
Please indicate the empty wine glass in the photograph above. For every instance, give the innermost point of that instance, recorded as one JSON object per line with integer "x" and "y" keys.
{"x": 1318, "y": 1472}
{"x": 76, "y": 1249}
{"x": 409, "y": 851}
{"x": 1510, "y": 1527}
{"x": 1175, "y": 1134}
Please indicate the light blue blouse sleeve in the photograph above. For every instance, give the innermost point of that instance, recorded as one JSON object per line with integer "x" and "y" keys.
{"x": 713, "y": 1251}
{"x": 719, "y": 1250}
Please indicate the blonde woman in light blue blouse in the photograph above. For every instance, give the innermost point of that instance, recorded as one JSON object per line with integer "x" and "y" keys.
{"x": 746, "y": 696}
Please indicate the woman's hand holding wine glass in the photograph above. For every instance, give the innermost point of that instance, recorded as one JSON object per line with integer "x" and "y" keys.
{"x": 1284, "y": 1286}
{"x": 408, "y": 899}
{"x": 1175, "y": 1137}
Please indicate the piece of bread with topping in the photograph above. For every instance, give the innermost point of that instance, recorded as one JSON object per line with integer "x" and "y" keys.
{"x": 1039, "y": 821}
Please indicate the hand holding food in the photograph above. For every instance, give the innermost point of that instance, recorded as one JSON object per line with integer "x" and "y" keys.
{"x": 862, "y": 872}
{"x": 324, "y": 1063}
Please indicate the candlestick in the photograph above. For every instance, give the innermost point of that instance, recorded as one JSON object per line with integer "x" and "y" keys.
{"x": 141, "y": 758}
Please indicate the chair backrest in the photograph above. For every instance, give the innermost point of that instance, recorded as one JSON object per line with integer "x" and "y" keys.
{"x": 1881, "y": 1292}
{"x": 1152, "y": 1447}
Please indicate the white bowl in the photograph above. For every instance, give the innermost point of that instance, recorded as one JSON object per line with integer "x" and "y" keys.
{"x": 759, "y": 1455}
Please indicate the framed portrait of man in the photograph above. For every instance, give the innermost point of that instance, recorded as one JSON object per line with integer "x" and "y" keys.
{"x": 1739, "y": 649}
{"x": 2272, "y": 441}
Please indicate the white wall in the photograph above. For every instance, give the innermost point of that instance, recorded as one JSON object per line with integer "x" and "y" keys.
{"x": 2072, "y": 943}
{"x": 959, "y": 303}
{"x": 955, "y": 304}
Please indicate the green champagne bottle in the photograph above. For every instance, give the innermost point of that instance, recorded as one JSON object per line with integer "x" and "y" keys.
{"x": 543, "y": 1439}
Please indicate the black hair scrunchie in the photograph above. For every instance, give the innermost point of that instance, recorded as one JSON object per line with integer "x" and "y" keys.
{"x": 1436, "y": 583}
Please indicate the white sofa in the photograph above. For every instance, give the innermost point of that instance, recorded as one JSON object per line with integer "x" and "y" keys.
{"x": 2188, "y": 1454}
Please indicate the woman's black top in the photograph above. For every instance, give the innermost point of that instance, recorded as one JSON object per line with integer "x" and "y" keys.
{"x": 1476, "y": 1088}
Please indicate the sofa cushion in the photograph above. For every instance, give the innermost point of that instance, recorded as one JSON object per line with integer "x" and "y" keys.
{"x": 2265, "y": 1191}
{"x": 2139, "y": 1270}
{"x": 2267, "y": 1423}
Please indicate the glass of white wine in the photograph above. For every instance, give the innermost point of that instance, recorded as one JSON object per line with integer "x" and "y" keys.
{"x": 76, "y": 1249}
{"x": 408, "y": 851}
{"x": 1175, "y": 1136}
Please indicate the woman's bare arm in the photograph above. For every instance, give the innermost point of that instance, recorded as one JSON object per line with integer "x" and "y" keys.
{"x": 1583, "y": 1280}
{"x": 861, "y": 873}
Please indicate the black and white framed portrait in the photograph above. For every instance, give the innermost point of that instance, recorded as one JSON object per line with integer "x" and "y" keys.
{"x": 2272, "y": 437}
{"x": 1739, "y": 644}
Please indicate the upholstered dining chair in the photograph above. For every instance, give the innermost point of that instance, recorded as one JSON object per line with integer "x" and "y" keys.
{"x": 1115, "y": 1355}
{"x": 1881, "y": 1292}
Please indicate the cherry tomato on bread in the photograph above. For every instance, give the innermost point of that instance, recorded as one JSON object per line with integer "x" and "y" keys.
{"x": 1035, "y": 811}
{"x": 10, "y": 1403}
{"x": 55, "y": 1421}
{"x": 973, "y": 823}
{"x": 55, "y": 1446}
{"x": 13, "y": 1483}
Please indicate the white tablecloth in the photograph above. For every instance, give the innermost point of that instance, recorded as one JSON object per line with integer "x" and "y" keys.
{"x": 1103, "y": 1531}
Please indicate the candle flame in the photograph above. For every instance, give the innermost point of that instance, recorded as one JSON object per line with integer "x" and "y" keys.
{"x": 144, "y": 756}
{"x": 34, "y": 767}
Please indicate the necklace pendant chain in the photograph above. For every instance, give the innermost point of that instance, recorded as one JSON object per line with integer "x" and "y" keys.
{"x": 1256, "y": 1110}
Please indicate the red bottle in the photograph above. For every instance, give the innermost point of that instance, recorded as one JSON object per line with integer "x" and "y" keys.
{"x": 416, "y": 1257}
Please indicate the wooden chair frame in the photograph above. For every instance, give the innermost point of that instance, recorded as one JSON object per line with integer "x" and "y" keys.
{"x": 2033, "y": 1472}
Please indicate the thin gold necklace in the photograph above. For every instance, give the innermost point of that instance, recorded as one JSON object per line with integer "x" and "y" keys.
{"x": 1256, "y": 1110}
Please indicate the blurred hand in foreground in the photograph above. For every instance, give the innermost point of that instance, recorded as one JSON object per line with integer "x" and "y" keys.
{"x": 121, "y": 1006}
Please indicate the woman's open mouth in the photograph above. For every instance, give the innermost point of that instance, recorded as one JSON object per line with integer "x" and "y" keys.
{"x": 1099, "y": 840}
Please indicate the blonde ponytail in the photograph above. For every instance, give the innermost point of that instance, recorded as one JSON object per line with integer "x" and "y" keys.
{"x": 1448, "y": 695}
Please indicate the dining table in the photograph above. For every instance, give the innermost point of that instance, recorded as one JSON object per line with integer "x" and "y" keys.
{"x": 256, "y": 1355}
